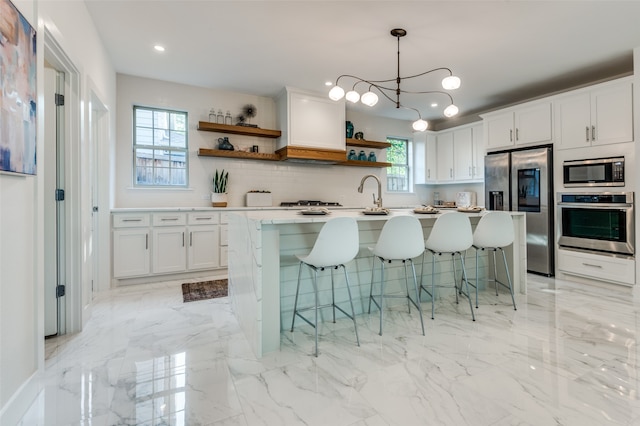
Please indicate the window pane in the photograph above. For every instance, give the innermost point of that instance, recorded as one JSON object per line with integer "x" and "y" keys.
{"x": 163, "y": 129}
{"x": 398, "y": 174}
{"x": 144, "y": 118}
{"x": 161, "y": 119}
{"x": 178, "y": 139}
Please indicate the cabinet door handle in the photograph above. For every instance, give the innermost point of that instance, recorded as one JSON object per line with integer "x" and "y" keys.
{"x": 470, "y": 171}
{"x": 592, "y": 265}
{"x": 204, "y": 218}
{"x": 190, "y": 239}
{"x": 182, "y": 238}
{"x": 132, "y": 220}
{"x": 165, "y": 219}
{"x": 587, "y": 133}
{"x": 450, "y": 172}
{"x": 517, "y": 134}
{"x": 593, "y": 133}
{"x": 428, "y": 173}
{"x": 146, "y": 241}
{"x": 474, "y": 170}
{"x": 511, "y": 135}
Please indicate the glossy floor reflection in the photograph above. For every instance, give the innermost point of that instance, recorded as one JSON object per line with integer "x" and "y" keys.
{"x": 567, "y": 356}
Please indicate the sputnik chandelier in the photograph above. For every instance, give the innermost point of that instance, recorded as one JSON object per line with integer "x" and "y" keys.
{"x": 370, "y": 98}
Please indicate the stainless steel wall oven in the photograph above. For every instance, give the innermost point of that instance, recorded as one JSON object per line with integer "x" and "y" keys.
{"x": 602, "y": 222}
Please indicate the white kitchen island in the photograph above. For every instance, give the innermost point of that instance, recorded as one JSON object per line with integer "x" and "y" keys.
{"x": 263, "y": 270}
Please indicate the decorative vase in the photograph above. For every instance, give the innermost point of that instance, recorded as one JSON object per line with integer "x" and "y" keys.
{"x": 349, "y": 129}
{"x": 218, "y": 199}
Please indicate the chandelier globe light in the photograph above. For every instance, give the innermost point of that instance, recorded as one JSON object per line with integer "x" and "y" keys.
{"x": 387, "y": 90}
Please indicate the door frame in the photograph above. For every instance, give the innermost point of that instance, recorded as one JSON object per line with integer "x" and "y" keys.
{"x": 71, "y": 321}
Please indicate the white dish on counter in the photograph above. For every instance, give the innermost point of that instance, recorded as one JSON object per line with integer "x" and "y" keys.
{"x": 470, "y": 209}
{"x": 315, "y": 211}
{"x": 375, "y": 211}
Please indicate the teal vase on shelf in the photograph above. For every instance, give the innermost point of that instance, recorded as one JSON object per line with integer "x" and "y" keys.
{"x": 349, "y": 129}
{"x": 372, "y": 157}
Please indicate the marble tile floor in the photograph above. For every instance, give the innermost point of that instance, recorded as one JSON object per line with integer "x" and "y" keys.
{"x": 567, "y": 356}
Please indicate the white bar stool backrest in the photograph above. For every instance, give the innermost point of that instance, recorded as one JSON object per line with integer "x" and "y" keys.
{"x": 401, "y": 238}
{"x": 337, "y": 243}
{"x": 495, "y": 229}
{"x": 451, "y": 233}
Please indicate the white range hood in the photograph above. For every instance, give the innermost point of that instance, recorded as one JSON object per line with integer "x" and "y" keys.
{"x": 313, "y": 128}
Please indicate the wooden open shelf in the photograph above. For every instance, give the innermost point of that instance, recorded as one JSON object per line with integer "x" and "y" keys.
{"x": 206, "y": 152}
{"x": 361, "y": 143}
{"x": 238, "y": 130}
{"x": 359, "y": 163}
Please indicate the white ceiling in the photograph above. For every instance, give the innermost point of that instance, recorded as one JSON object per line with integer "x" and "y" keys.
{"x": 504, "y": 51}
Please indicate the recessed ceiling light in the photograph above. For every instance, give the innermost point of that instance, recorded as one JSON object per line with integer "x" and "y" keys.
{"x": 328, "y": 83}
{"x": 159, "y": 48}
{"x": 433, "y": 105}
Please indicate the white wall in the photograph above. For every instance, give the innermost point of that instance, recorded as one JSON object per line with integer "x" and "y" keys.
{"x": 22, "y": 213}
{"x": 286, "y": 181}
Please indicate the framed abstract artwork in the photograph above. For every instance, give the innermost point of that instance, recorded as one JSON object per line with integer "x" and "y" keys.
{"x": 18, "y": 92}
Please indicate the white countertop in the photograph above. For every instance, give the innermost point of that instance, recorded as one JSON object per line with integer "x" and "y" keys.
{"x": 294, "y": 216}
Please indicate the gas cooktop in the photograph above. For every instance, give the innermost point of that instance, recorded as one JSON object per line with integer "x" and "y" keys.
{"x": 309, "y": 203}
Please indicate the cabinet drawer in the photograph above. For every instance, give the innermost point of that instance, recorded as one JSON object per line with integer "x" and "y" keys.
{"x": 224, "y": 238}
{"x": 604, "y": 268}
{"x": 130, "y": 220}
{"x": 168, "y": 219}
{"x": 202, "y": 218}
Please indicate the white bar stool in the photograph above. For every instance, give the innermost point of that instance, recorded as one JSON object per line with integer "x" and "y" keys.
{"x": 401, "y": 239}
{"x": 494, "y": 232}
{"x": 451, "y": 234}
{"x": 337, "y": 243}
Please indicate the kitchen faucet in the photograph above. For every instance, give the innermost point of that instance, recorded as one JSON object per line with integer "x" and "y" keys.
{"x": 377, "y": 202}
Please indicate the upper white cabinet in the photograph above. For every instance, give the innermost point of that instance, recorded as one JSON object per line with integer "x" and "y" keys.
{"x": 597, "y": 115}
{"x": 310, "y": 120}
{"x": 444, "y": 148}
{"x": 450, "y": 156}
{"x": 528, "y": 123}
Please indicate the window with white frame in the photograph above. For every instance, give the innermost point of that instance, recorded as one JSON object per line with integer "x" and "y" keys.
{"x": 160, "y": 147}
{"x": 398, "y": 175}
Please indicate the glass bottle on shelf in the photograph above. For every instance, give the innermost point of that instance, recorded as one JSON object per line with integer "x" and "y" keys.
{"x": 212, "y": 115}
{"x": 220, "y": 118}
{"x": 227, "y": 118}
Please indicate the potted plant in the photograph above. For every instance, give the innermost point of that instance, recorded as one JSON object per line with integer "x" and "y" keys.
{"x": 219, "y": 194}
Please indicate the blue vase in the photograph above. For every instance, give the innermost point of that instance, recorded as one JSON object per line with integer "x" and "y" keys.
{"x": 372, "y": 157}
{"x": 352, "y": 155}
{"x": 349, "y": 129}
{"x": 362, "y": 156}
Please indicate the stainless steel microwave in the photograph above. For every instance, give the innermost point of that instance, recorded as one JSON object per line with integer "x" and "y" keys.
{"x": 594, "y": 172}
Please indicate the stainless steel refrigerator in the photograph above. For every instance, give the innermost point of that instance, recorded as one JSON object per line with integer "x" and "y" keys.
{"x": 522, "y": 180}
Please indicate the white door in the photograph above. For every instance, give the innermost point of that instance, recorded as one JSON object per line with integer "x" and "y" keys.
{"x": 55, "y": 231}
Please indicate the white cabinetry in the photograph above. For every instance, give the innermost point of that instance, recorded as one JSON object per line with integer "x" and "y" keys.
{"x": 523, "y": 125}
{"x": 169, "y": 248}
{"x": 594, "y": 266}
{"x": 203, "y": 246}
{"x": 425, "y": 160}
{"x": 478, "y": 152}
{"x": 463, "y": 154}
{"x": 599, "y": 115}
{"x": 224, "y": 240}
{"x": 131, "y": 255}
{"x": 310, "y": 120}
{"x": 444, "y": 147}
{"x": 155, "y": 243}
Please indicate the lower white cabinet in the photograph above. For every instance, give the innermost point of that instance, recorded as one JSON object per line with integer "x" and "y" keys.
{"x": 598, "y": 267}
{"x": 131, "y": 252}
{"x": 169, "y": 250}
{"x": 203, "y": 248}
{"x": 155, "y": 243}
